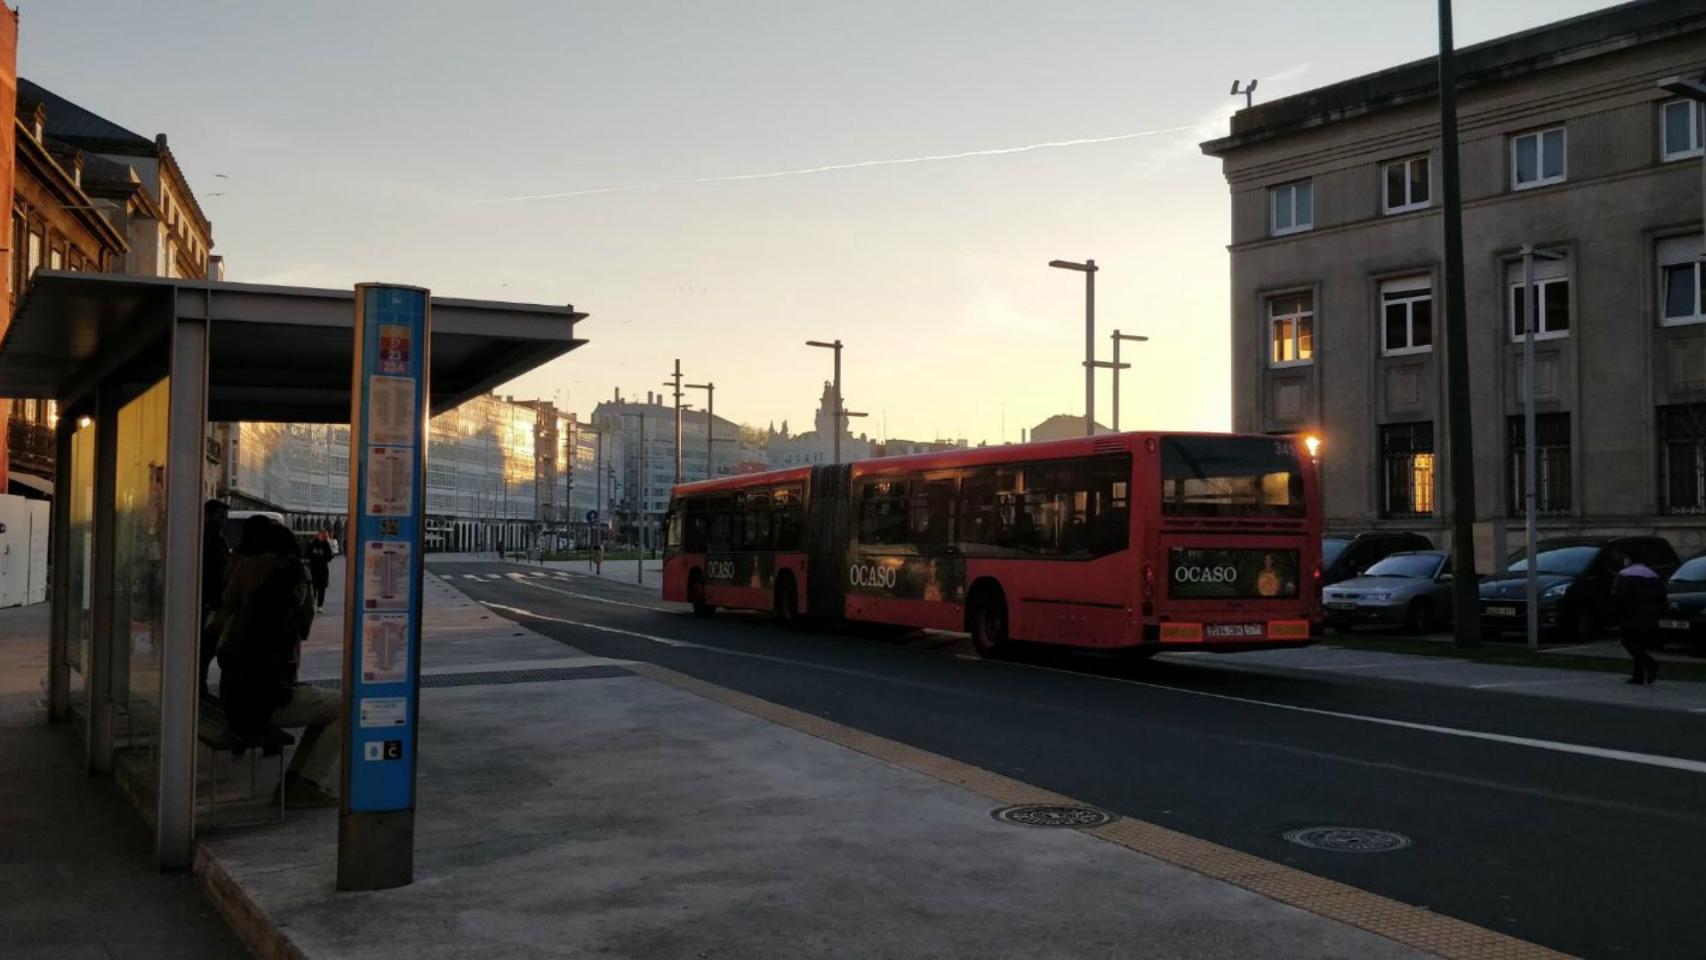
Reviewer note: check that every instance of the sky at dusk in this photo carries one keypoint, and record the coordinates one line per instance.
(618, 156)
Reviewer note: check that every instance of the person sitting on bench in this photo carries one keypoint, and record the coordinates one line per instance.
(267, 610)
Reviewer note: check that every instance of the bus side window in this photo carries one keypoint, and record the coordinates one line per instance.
(693, 537)
(755, 519)
(720, 533)
(930, 518)
(882, 512)
(977, 520)
(786, 524)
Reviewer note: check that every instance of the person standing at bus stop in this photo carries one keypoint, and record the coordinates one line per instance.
(215, 556)
(320, 555)
(1640, 598)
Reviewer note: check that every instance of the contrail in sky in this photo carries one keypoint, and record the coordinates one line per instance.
(894, 161)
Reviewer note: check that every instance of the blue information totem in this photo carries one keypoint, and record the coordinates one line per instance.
(382, 612)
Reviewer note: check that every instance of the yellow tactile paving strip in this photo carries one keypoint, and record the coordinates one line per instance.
(1411, 926)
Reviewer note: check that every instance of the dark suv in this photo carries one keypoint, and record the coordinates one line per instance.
(1575, 576)
(1344, 557)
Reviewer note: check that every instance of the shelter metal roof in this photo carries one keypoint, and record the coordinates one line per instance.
(275, 353)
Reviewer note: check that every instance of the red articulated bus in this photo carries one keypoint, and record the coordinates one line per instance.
(1137, 542)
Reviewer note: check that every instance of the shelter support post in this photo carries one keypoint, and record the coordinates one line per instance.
(98, 683)
(59, 635)
(181, 664)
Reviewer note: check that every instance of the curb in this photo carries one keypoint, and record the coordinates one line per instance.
(264, 938)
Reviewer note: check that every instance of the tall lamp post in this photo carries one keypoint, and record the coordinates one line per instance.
(839, 413)
(675, 381)
(710, 389)
(1118, 336)
(1465, 592)
(1088, 268)
(1530, 312)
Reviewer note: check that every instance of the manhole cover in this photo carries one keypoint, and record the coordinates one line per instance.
(1348, 839)
(1054, 815)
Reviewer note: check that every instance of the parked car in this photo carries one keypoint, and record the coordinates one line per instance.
(1411, 587)
(1684, 619)
(1344, 557)
(1575, 577)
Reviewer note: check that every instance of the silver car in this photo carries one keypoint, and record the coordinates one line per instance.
(1412, 589)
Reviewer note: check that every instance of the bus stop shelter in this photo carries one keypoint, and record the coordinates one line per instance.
(139, 366)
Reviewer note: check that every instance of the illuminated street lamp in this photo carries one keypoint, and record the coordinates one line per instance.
(1312, 443)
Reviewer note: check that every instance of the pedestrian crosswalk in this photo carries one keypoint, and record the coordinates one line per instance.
(519, 575)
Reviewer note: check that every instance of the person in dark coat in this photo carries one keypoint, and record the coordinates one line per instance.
(320, 555)
(1640, 598)
(215, 555)
(268, 608)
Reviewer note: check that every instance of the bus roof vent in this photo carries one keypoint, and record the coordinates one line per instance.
(1105, 444)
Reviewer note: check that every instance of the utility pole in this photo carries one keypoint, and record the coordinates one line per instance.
(1088, 268)
(836, 346)
(710, 389)
(1465, 593)
(675, 382)
(1118, 366)
(1530, 311)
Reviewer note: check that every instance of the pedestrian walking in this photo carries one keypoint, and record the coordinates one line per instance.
(320, 553)
(1639, 595)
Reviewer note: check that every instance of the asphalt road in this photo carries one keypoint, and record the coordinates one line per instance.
(1594, 854)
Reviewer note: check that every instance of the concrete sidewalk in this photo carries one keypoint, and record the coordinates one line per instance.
(578, 806)
(78, 877)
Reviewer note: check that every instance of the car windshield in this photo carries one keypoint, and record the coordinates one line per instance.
(1694, 571)
(1419, 566)
(1565, 560)
(1330, 550)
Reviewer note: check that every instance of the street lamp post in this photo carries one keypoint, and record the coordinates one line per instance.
(1530, 312)
(710, 389)
(1465, 591)
(836, 346)
(1088, 268)
(675, 381)
(1118, 336)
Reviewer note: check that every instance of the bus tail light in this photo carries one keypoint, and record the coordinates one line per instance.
(1149, 582)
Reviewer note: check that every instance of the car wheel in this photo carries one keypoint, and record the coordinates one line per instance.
(1419, 618)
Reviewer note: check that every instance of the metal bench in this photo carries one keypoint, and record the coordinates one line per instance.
(214, 731)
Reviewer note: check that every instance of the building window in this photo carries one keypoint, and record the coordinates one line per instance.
(34, 261)
(56, 259)
(1291, 329)
(1683, 124)
(1407, 315)
(1407, 456)
(1551, 299)
(1537, 158)
(1407, 185)
(1293, 207)
(1682, 458)
(1682, 281)
(1551, 463)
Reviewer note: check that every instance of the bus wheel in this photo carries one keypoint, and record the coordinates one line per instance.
(696, 596)
(989, 622)
(787, 605)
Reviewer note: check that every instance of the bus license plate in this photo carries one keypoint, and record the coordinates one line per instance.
(1341, 604)
(1501, 611)
(1673, 624)
(1225, 630)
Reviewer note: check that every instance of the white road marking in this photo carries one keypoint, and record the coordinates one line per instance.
(598, 599)
(602, 628)
(470, 576)
(1603, 753)
(1525, 683)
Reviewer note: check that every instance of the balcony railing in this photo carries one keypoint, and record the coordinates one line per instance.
(30, 446)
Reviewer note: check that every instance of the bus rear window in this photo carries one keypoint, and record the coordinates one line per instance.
(1230, 477)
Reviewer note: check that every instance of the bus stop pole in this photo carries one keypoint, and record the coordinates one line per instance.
(382, 604)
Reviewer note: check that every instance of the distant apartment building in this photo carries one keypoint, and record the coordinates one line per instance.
(640, 459)
(1061, 426)
(1567, 143)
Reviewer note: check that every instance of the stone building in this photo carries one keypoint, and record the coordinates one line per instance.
(1567, 143)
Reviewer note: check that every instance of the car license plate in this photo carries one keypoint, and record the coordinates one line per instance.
(1341, 604)
(1673, 624)
(1501, 611)
(1224, 630)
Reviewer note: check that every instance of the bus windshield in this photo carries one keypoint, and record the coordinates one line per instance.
(1230, 476)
